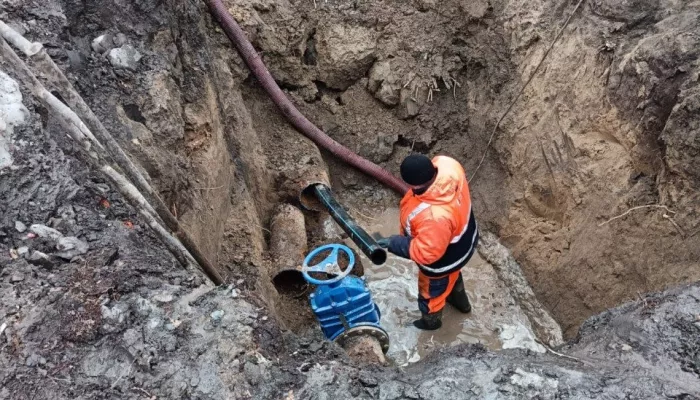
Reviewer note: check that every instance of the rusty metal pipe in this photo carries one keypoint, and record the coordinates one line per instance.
(288, 247)
(365, 350)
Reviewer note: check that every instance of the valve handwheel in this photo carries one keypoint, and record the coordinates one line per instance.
(329, 265)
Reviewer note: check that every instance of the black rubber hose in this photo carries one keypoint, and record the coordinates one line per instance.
(364, 241)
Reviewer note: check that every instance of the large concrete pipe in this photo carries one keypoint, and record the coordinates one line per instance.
(305, 169)
(311, 176)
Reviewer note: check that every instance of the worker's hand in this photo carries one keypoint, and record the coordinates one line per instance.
(400, 245)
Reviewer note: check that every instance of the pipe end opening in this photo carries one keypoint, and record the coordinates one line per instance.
(290, 282)
(378, 257)
(308, 198)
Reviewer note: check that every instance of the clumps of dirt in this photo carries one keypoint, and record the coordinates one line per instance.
(688, 355)
(79, 309)
(293, 307)
(344, 53)
(661, 327)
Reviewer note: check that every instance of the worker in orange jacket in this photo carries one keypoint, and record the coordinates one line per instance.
(438, 232)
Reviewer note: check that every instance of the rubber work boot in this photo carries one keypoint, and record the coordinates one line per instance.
(429, 322)
(458, 297)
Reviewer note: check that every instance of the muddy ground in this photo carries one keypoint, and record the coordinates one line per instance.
(608, 124)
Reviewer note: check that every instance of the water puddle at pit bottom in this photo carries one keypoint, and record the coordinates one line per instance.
(496, 321)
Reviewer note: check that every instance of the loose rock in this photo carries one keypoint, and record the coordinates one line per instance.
(35, 360)
(70, 247)
(126, 57)
(20, 227)
(16, 277)
(119, 39)
(44, 231)
(115, 317)
(345, 53)
(217, 315)
(367, 380)
(40, 259)
(163, 298)
(385, 85)
(102, 43)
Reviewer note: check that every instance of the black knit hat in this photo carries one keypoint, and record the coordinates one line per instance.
(417, 169)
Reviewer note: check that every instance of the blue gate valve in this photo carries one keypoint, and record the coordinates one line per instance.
(342, 303)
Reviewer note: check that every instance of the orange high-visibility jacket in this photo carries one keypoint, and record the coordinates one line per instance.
(440, 221)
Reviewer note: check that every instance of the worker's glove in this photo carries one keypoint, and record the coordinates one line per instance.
(400, 246)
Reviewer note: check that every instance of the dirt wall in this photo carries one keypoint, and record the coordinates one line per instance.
(596, 135)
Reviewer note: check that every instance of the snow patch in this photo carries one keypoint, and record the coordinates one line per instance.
(12, 114)
(519, 336)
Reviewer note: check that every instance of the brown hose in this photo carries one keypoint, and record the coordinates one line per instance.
(301, 123)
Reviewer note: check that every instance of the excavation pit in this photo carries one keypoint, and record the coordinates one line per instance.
(584, 167)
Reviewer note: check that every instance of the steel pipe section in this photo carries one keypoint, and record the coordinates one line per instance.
(288, 247)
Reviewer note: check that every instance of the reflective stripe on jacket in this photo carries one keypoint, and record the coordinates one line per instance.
(440, 222)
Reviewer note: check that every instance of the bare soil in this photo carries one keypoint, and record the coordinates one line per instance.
(591, 180)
